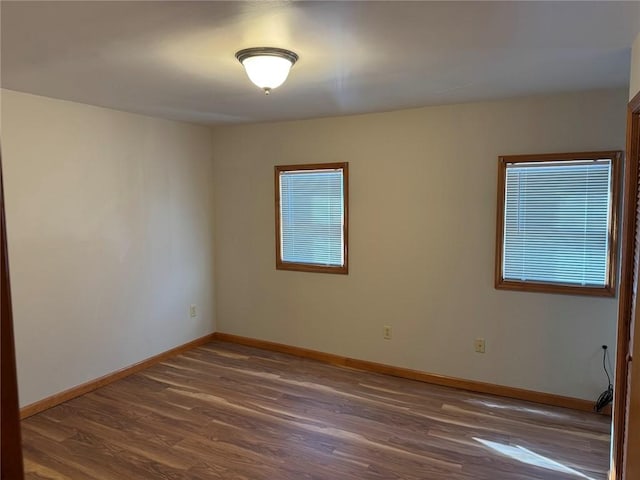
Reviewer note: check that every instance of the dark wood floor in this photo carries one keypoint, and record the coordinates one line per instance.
(225, 411)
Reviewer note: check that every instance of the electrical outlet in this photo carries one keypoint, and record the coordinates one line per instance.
(479, 345)
(386, 332)
(193, 311)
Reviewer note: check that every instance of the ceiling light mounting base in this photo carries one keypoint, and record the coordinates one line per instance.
(243, 54)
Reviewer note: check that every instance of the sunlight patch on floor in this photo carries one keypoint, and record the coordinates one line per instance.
(525, 455)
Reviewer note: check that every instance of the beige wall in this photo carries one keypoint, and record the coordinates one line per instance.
(110, 219)
(422, 232)
(110, 235)
(634, 80)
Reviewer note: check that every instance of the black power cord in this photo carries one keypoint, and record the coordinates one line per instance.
(605, 397)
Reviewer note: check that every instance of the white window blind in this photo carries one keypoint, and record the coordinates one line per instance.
(312, 217)
(556, 222)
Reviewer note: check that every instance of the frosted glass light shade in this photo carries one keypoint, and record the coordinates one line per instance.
(267, 67)
(267, 72)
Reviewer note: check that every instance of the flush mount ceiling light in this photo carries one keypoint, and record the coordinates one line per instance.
(267, 67)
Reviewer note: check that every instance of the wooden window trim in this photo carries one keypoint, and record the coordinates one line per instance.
(307, 267)
(609, 290)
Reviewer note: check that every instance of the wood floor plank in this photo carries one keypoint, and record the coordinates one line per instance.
(225, 411)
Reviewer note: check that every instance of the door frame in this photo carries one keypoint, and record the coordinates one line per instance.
(11, 465)
(627, 392)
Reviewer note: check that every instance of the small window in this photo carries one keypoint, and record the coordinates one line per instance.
(556, 224)
(311, 217)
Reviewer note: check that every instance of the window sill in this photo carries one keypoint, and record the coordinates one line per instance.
(306, 267)
(607, 291)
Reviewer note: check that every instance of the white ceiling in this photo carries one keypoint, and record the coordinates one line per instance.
(176, 59)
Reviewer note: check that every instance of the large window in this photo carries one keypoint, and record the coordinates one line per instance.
(556, 227)
(311, 217)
